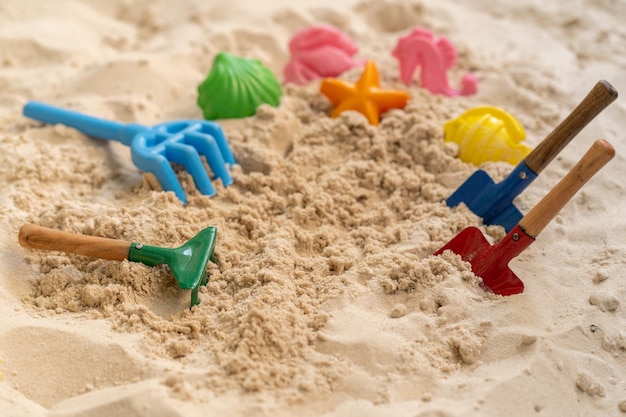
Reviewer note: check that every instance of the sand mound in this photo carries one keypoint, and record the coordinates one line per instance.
(324, 299)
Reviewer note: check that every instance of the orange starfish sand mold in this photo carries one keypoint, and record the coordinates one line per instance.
(365, 96)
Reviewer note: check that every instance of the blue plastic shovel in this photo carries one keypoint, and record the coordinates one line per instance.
(494, 202)
(490, 262)
(153, 148)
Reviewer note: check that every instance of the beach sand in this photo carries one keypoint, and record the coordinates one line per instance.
(325, 299)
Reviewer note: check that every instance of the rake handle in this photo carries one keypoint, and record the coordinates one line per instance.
(539, 216)
(600, 96)
(84, 123)
(39, 237)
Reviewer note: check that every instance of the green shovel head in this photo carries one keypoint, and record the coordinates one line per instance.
(187, 262)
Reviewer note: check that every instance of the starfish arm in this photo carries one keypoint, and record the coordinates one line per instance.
(389, 99)
(369, 79)
(371, 112)
(367, 108)
(336, 90)
(348, 104)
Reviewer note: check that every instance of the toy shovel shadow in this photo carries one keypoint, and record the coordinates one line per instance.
(187, 262)
(490, 262)
(494, 202)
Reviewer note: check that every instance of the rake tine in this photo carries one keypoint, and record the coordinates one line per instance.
(207, 146)
(161, 168)
(189, 157)
(217, 133)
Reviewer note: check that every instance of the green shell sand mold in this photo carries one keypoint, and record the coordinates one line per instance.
(236, 87)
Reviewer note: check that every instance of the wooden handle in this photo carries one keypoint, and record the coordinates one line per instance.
(539, 216)
(38, 237)
(600, 96)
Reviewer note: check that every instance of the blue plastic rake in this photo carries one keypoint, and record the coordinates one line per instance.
(153, 148)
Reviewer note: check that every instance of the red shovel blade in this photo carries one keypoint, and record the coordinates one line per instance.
(491, 262)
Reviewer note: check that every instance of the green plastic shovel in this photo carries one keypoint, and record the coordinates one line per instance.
(187, 262)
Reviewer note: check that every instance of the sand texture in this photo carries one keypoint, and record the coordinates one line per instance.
(324, 298)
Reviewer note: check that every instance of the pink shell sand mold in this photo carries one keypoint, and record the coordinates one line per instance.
(436, 57)
(319, 51)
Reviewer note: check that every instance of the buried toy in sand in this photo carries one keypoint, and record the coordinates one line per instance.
(491, 262)
(487, 133)
(434, 56)
(153, 148)
(188, 262)
(319, 51)
(365, 96)
(236, 87)
(494, 202)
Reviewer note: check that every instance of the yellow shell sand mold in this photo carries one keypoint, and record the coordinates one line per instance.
(487, 133)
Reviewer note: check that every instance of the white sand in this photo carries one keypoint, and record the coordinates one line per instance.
(326, 301)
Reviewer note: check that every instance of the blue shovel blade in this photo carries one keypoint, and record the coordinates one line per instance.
(468, 191)
(494, 202)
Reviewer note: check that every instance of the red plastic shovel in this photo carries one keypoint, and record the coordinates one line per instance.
(490, 262)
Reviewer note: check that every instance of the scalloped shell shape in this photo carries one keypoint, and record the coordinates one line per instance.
(319, 51)
(487, 133)
(236, 87)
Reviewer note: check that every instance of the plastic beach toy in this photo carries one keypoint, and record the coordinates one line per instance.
(187, 262)
(490, 262)
(487, 133)
(365, 96)
(494, 201)
(236, 87)
(435, 57)
(153, 148)
(319, 51)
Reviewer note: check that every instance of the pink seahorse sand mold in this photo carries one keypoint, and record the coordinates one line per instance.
(435, 57)
(319, 51)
